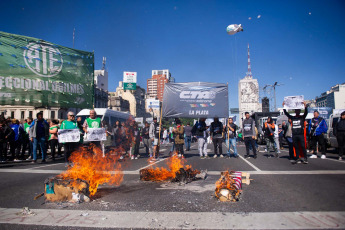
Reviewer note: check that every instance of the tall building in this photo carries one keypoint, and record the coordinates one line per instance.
(101, 87)
(155, 84)
(248, 93)
(132, 101)
(334, 98)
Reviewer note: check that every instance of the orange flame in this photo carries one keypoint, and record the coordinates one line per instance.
(94, 168)
(174, 164)
(226, 181)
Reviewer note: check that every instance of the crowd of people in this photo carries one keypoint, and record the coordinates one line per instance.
(24, 140)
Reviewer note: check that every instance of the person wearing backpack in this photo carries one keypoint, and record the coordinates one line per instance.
(317, 127)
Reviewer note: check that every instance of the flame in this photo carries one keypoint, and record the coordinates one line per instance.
(92, 167)
(174, 164)
(226, 181)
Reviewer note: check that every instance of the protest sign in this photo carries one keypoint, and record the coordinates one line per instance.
(195, 100)
(96, 134)
(68, 135)
(294, 102)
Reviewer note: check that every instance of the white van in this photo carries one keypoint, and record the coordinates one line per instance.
(333, 120)
(107, 115)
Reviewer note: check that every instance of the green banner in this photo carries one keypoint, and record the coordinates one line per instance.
(129, 86)
(42, 74)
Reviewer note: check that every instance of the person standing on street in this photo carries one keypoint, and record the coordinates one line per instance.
(230, 131)
(216, 130)
(39, 133)
(339, 132)
(286, 126)
(26, 140)
(178, 132)
(248, 127)
(16, 142)
(53, 138)
(188, 136)
(199, 130)
(297, 127)
(154, 135)
(269, 130)
(6, 133)
(69, 146)
(146, 139)
(92, 122)
(317, 127)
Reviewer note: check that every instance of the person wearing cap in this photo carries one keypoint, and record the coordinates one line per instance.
(39, 134)
(248, 127)
(69, 147)
(339, 132)
(317, 127)
(154, 135)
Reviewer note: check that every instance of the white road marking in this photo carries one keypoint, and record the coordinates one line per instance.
(176, 220)
(151, 164)
(136, 172)
(253, 166)
(330, 159)
(45, 166)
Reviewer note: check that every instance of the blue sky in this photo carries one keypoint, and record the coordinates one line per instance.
(300, 44)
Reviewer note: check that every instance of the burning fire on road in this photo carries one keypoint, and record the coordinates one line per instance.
(177, 171)
(229, 186)
(88, 170)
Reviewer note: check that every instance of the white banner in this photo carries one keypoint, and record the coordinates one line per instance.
(96, 134)
(68, 135)
(294, 102)
(130, 77)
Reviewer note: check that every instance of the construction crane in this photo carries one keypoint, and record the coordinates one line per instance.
(274, 92)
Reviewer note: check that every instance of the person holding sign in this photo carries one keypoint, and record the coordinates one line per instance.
(298, 128)
(92, 122)
(69, 146)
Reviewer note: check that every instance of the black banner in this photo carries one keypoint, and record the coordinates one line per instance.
(195, 100)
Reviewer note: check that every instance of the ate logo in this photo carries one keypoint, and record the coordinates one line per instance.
(43, 59)
(95, 124)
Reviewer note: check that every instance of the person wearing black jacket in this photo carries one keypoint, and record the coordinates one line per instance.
(297, 127)
(6, 133)
(216, 131)
(199, 130)
(339, 132)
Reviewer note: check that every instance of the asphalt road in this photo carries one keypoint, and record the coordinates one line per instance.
(280, 196)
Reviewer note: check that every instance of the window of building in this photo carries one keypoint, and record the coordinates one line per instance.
(52, 114)
(22, 114)
(12, 114)
(30, 114)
